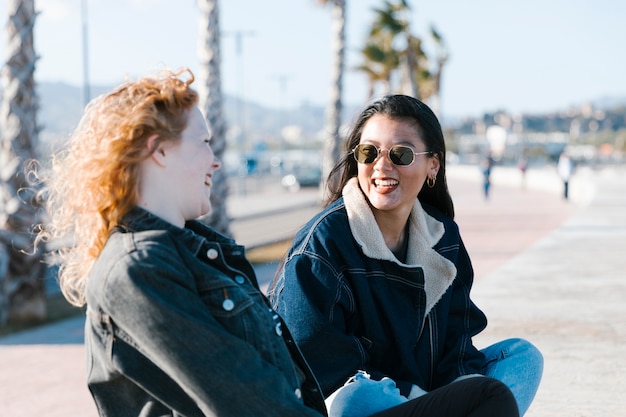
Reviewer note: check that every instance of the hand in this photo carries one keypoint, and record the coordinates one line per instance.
(416, 392)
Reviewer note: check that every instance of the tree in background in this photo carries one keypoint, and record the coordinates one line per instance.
(380, 60)
(332, 144)
(393, 58)
(22, 292)
(211, 102)
(389, 49)
(415, 73)
(412, 52)
(442, 59)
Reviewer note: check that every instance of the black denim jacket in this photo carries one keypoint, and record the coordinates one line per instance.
(177, 326)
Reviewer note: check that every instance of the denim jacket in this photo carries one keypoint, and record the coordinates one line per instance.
(351, 305)
(177, 326)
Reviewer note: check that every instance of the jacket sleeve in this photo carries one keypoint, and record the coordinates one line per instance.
(463, 321)
(311, 300)
(159, 316)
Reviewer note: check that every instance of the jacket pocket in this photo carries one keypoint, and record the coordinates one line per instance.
(226, 300)
(243, 312)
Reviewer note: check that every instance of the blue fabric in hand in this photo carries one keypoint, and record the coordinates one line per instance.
(362, 397)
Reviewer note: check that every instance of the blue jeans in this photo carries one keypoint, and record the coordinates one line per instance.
(515, 362)
(477, 397)
(518, 364)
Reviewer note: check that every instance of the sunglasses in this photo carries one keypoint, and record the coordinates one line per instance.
(398, 154)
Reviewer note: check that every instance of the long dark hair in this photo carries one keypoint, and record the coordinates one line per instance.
(398, 107)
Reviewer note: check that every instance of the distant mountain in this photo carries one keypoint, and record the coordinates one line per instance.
(61, 107)
(607, 103)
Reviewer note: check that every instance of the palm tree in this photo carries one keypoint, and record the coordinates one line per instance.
(392, 54)
(22, 292)
(412, 52)
(442, 59)
(381, 57)
(332, 144)
(380, 62)
(211, 103)
(416, 72)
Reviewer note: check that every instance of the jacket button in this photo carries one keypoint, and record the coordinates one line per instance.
(239, 279)
(211, 254)
(228, 304)
(298, 393)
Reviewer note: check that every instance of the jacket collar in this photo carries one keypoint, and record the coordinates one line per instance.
(424, 233)
(193, 235)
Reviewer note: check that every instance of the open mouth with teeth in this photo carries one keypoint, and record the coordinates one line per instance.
(386, 183)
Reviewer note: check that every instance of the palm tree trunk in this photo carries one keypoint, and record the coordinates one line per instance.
(332, 145)
(211, 103)
(435, 99)
(411, 67)
(22, 271)
(442, 59)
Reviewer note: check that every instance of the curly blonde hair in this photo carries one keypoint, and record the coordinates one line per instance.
(93, 182)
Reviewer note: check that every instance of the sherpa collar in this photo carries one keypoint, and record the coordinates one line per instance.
(424, 233)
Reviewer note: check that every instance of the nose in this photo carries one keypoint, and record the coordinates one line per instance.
(383, 158)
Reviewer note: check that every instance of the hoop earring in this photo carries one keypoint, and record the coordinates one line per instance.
(430, 181)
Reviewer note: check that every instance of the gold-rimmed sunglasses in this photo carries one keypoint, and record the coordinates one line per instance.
(398, 154)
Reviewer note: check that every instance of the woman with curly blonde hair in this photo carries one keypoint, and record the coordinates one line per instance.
(176, 323)
(95, 179)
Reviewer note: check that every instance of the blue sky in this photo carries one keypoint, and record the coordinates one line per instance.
(532, 55)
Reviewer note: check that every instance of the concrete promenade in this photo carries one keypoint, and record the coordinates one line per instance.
(548, 270)
(567, 294)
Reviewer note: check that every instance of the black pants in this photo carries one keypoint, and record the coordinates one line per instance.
(472, 397)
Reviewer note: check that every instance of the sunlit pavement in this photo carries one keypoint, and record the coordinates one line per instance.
(567, 294)
(548, 270)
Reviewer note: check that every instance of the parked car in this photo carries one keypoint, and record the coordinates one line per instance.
(302, 177)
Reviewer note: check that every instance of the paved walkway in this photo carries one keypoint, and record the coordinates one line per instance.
(548, 270)
(568, 295)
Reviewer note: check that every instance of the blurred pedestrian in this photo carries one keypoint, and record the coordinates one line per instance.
(522, 165)
(565, 167)
(486, 166)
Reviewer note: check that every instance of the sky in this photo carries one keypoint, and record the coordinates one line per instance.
(532, 56)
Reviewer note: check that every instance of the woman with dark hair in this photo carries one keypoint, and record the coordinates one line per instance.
(379, 281)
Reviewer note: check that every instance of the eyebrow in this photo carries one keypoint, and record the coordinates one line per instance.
(402, 142)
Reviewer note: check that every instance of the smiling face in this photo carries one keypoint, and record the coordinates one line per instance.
(392, 189)
(191, 166)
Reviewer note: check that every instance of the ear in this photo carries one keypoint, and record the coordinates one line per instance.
(157, 151)
(435, 165)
